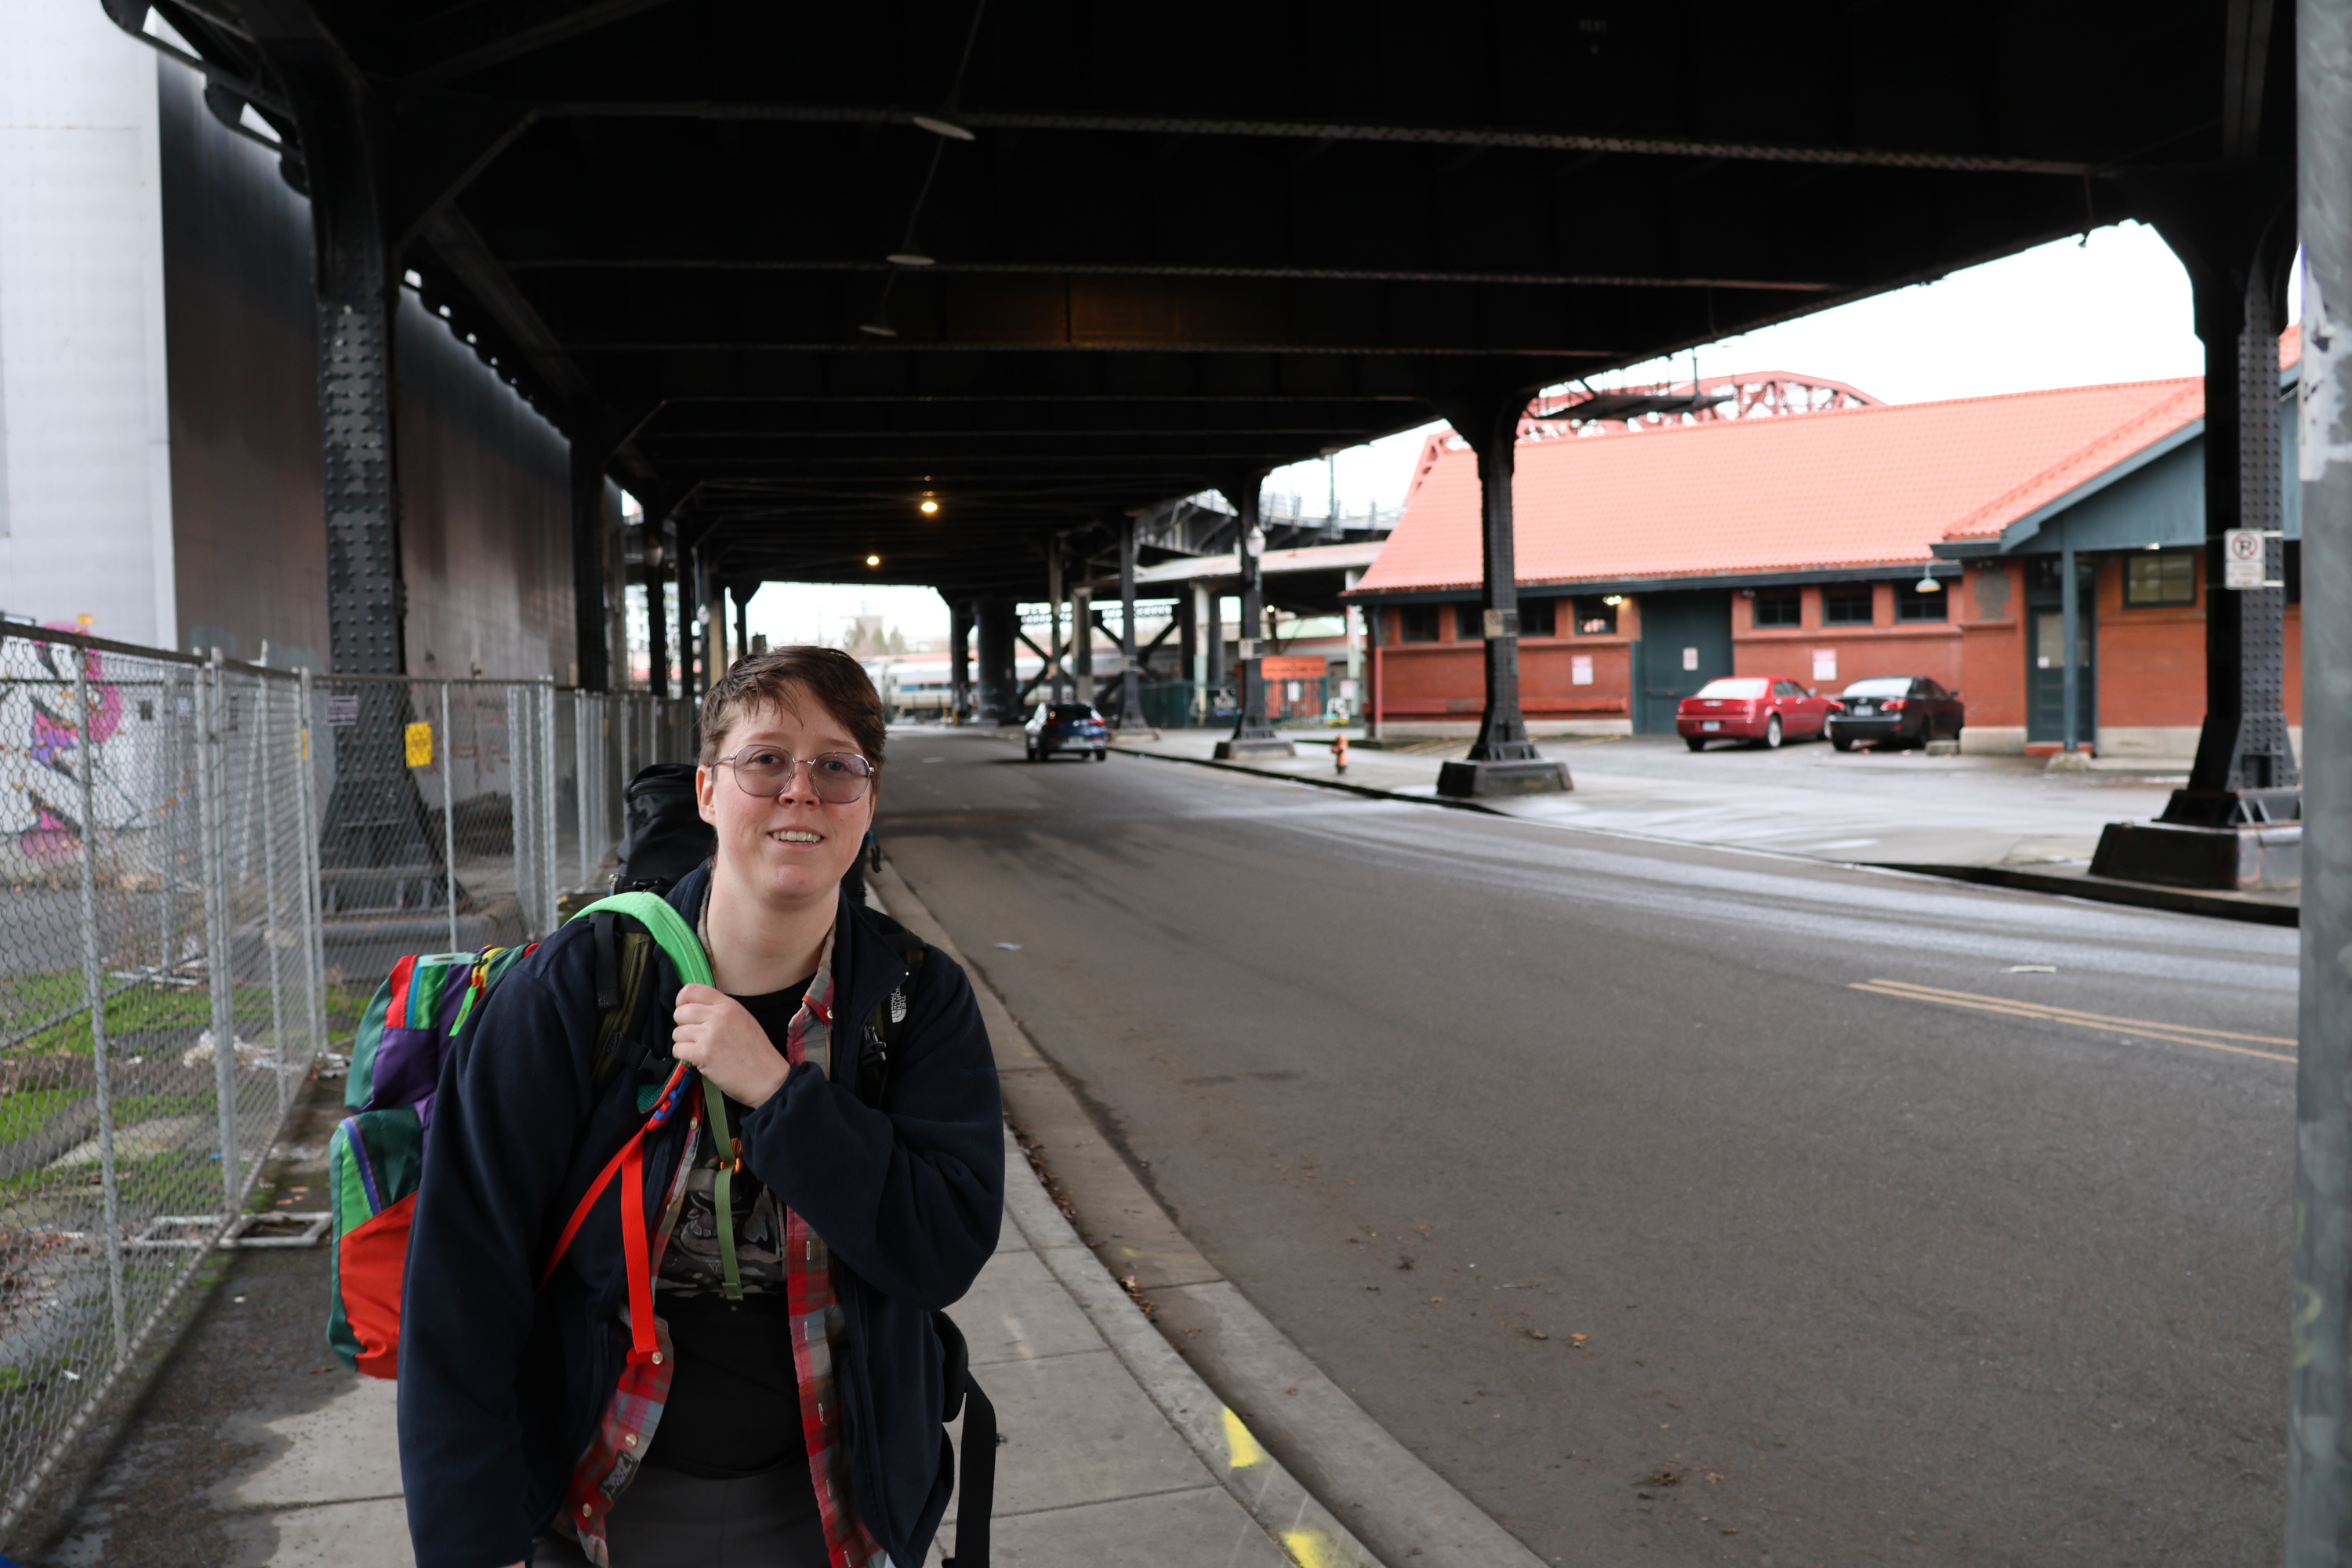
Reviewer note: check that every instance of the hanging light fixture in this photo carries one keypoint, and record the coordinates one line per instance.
(928, 506)
(1926, 585)
(874, 561)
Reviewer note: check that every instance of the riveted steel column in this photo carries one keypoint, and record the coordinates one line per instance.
(998, 683)
(1253, 735)
(1053, 607)
(1503, 759)
(2319, 1386)
(1082, 642)
(960, 658)
(591, 616)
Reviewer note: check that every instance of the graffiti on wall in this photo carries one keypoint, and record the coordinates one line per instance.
(41, 733)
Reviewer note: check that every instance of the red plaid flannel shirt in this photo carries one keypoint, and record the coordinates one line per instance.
(630, 1419)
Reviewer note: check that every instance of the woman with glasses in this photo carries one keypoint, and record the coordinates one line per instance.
(791, 1413)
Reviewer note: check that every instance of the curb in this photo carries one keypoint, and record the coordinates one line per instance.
(1368, 791)
(1417, 1513)
(2105, 891)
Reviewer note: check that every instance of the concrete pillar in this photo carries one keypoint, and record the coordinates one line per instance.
(998, 686)
(959, 659)
(743, 593)
(1082, 641)
(1187, 637)
(1130, 690)
(1212, 649)
(1252, 736)
(2319, 1380)
(1503, 759)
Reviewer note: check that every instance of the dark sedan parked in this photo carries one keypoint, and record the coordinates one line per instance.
(1895, 711)
(1066, 727)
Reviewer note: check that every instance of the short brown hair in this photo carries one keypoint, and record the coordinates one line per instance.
(838, 683)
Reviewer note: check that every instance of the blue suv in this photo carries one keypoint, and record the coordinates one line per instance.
(1066, 727)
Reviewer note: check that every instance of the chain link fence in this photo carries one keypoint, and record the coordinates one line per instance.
(205, 869)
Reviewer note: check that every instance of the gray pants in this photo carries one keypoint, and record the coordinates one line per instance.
(670, 1520)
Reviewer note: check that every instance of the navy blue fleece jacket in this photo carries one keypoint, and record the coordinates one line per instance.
(501, 1382)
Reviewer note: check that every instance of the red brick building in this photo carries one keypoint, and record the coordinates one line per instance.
(1918, 538)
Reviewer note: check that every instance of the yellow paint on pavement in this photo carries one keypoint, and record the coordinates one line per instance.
(1310, 1549)
(2009, 1007)
(1241, 1449)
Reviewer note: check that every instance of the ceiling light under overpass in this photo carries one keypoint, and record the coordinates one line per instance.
(929, 506)
(877, 328)
(874, 561)
(910, 259)
(939, 125)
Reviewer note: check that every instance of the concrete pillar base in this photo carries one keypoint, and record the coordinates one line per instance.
(1477, 781)
(1242, 751)
(2240, 859)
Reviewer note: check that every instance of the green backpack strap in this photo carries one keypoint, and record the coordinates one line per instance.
(675, 938)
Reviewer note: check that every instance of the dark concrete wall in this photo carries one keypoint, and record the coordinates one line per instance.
(241, 343)
(485, 534)
(485, 513)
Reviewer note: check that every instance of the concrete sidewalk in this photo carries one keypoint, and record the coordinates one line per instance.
(253, 1449)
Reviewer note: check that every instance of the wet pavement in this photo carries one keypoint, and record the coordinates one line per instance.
(1805, 798)
(1679, 1204)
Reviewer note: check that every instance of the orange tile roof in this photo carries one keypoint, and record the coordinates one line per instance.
(1860, 488)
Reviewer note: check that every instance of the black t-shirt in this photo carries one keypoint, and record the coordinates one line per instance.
(734, 1406)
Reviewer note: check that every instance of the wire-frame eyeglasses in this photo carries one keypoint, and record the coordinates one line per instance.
(764, 772)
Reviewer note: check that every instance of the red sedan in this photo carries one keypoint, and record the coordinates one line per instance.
(1762, 711)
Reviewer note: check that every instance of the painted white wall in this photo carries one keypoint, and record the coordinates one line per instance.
(85, 453)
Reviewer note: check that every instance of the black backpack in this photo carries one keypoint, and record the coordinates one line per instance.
(666, 837)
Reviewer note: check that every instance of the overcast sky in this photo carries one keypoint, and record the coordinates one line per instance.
(2066, 314)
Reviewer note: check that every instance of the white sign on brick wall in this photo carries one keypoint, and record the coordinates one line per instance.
(1824, 664)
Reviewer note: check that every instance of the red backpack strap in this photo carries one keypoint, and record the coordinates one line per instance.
(629, 1164)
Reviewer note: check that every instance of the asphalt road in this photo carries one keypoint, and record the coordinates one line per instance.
(1875, 1275)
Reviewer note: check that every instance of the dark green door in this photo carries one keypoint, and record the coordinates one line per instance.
(1686, 643)
(2045, 659)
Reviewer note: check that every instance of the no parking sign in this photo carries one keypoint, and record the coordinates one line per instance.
(2245, 560)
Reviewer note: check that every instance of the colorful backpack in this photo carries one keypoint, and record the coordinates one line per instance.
(376, 1157)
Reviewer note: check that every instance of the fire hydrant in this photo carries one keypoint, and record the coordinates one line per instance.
(1339, 753)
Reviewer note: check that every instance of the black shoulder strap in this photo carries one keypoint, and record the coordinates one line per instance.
(624, 993)
(976, 1469)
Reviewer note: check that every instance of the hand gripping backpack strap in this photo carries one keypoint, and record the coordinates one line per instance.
(675, 938)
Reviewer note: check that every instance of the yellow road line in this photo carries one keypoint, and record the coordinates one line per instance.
(1936, 991)
(2172, 1033)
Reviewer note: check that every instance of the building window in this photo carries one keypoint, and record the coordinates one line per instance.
(1780, 608)
(1469, 623)
(1416, 622)
(1538, 617)
(1596, 615)
(1847, 604)
(1911, 605)
(2167, 577)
